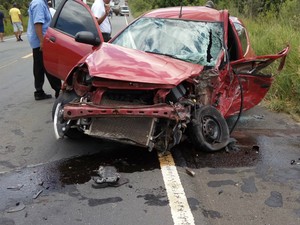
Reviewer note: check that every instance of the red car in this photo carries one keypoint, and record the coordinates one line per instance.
(172, 74)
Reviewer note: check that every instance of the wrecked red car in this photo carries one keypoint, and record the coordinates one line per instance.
(173, 74)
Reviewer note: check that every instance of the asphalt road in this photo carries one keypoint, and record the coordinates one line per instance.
(49, 181)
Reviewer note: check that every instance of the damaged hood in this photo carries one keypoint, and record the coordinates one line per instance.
(119, 63)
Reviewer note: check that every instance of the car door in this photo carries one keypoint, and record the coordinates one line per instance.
(249, 77)
(61, 52)
(252, 79)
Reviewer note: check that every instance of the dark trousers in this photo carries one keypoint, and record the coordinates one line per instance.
(106, 36)
(39, 73)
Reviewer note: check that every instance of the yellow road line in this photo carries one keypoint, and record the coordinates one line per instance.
(180, 210)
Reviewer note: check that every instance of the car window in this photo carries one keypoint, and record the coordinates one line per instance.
(56, 3)
(242, 36)
(192, 41)
(74, 18)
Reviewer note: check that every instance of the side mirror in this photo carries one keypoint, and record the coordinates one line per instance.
(87, 37)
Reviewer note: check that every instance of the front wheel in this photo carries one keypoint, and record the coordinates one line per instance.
(209, 130)
(62, 127)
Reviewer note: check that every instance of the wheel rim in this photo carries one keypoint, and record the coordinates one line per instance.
(211, 130)
(59, 124)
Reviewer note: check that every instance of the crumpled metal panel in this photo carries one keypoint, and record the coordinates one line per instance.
(123, 129)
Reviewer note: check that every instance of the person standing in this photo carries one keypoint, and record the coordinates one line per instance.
(2, 19)
(38, 23)
(16, 21)
(101, 9)
(52, 10)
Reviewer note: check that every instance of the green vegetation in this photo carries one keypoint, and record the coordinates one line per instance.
(5, 6)
(272, 24)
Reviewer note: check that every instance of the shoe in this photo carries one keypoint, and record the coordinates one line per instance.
(41, 96)
(20, 39)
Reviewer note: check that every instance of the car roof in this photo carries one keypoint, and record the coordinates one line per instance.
(200, 13)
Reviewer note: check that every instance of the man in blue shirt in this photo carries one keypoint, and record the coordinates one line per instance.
(39, 21)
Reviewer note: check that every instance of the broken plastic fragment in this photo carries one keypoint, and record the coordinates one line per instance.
(19, 206)
(259, 117)
(37, 194)
(190, 172)
(293, 162)
(16, 188)
(120, 182)
(107, 174)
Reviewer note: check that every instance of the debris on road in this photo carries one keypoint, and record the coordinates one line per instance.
(37, 194)
(108, 176)
(190, 172)
(19, 206)
(16, 188)
(259, 117)
(231, 145)
(293, 162)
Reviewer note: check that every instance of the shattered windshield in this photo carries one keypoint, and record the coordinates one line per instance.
(192, 41)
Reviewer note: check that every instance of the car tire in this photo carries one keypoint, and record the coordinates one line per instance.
(59, 123)
(209, 130)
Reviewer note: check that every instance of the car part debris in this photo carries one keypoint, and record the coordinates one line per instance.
(293, 162)
(37, 194)
(19, 206)
(16, 188)
(120, 182)
(231, 145)
(108, 176)
(190, 172)
(259, 117)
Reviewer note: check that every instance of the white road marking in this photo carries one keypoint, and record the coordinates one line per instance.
(12, 62)
(180, 210)
(27, 56)
(8, 64)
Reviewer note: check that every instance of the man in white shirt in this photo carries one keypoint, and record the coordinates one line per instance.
(51, 9)
(100, 9)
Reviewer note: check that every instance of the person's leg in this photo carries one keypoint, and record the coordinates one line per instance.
(1, 33)
(39, 76)
(20, 27)
(16, 31)
(38, 71)
(55, 83)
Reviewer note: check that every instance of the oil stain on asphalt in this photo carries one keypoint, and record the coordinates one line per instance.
(25, 183)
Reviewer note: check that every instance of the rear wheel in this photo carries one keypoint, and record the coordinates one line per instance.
(209, 130)
(63, 127)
